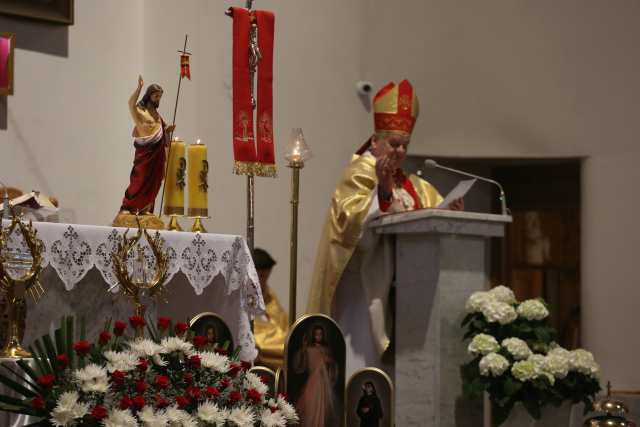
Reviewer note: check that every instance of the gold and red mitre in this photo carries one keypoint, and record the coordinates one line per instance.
(395, 109)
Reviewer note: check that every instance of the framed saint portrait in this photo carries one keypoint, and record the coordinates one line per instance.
(52, 11)
(213, 327)
(268, 377)
(315, 357)
(7, 42)
(370, 399)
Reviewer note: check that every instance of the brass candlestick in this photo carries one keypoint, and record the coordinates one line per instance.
(198, 227)
(297, 154)
(14, 285)
(174, 225)
(135, 288)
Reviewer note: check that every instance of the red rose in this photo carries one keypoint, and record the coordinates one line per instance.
(234, 368)
(125, 402)
(161, 382)
(62, 360)
(195, 362)
(221, 351)
(245, 365)
(47, 381)
(161, 402)
(139, 402)
(164, 323)
(183, 401)
(118, 377)
(143, 365)
(264, 379)
(225, 383)
(38, 403)
(194, 392)
(235, 396)
(119, 327)
(180, 328)
(212, 392)
(105, 337)
(137, 321)
(82, 348)
(200, 341)
(99, 412)
(141, 387)
(254, 395)
(188, 378)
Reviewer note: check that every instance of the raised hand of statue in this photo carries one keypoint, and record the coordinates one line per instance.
(170, 128)
(140, 82)
(384, 172)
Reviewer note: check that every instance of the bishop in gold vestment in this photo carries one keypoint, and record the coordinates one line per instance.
(354, 267)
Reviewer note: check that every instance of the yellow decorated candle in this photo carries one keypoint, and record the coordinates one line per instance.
(198, 180)
(175, 180)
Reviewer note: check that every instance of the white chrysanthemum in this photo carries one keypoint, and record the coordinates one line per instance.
(503, 294)
(495, 311)
(175, 344)
(556, 364)
(532, 309)
(145, 348)
(582, 361)
(92, 379)
(493, 364)
(68, 409)
(159, 361)
(272, 419)
(180, 418)
(524, 370)
(120, 418)
(210, 413)
(149, 418)
(241, 417)
(288, 411)
(477, 301)
(517, 348)
(214, 361)
(123, 361)
(483, 344)
(251, 380)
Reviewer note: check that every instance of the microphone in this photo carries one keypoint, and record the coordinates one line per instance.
(432, 164)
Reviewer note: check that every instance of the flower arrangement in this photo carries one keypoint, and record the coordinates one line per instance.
(516, 358)
(167, 380)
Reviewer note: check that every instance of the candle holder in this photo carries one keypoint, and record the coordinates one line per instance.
(198, 227)
(174, 225)
(297, 153)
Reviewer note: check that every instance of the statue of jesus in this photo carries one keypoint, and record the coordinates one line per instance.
(151, 140)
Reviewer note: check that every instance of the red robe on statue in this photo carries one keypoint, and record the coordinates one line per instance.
(147, 172)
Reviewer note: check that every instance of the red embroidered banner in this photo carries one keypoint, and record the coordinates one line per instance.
(251, 157)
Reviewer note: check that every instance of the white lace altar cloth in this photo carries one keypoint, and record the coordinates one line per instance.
(73, 250)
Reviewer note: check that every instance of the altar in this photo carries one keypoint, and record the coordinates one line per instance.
(207, 272)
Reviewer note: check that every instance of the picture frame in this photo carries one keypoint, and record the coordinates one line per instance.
(211, 325)
(360, 402)
(7, 45)
(59, 12)
(269, 378)
(314, 369)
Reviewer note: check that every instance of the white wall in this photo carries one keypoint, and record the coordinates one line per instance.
(496, 78)
(537, 79)
(68, 127)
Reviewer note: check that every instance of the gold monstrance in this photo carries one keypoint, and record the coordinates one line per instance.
(137, 285)
(19, 277)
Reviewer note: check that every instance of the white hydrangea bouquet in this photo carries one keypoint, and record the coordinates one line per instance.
(516, 359)
(168, 380)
